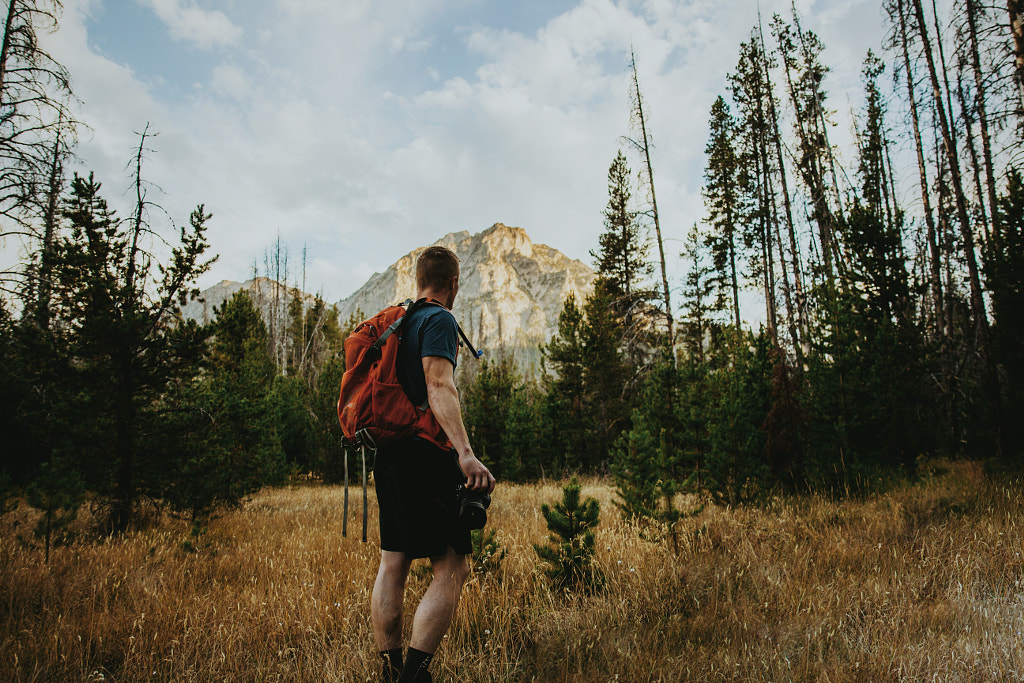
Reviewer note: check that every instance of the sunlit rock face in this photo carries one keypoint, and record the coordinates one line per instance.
(510, 294)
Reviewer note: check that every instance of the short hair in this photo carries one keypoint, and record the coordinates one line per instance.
(435, 268)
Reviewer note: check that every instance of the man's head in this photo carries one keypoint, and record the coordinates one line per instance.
(437, 272)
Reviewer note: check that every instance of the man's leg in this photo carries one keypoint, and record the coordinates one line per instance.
(437, 608)
(387, 600)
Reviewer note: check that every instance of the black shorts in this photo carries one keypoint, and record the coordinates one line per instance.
(416, 493)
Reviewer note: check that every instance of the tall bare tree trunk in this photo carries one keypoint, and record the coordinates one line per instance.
(794, 248)
(810, 165)
(645, 147)
(1016, 10)
(767, 214)
(967, 114)
(982, 107)
(55, 183)
(935, 262)
(967, 234)
(769, 267)
(949, 146)
(137, 220)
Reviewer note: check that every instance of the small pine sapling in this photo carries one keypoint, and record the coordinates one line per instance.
(487, 552)
(649, 473)
(58, 491)
(570, 557)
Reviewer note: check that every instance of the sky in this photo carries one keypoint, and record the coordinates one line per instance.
(358, 130)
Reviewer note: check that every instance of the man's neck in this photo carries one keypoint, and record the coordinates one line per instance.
(431, 294)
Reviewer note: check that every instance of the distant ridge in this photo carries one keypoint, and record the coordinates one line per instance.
(510, 295)
(265, 294)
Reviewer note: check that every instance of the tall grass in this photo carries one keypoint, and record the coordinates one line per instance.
(922, 583)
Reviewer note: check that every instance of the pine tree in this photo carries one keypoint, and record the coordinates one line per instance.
(764, 181)
(58, 492)
(570, 555)
(736, 395)
(607, 376)
(636, 470)
(585, 394)
(979, 314)
(701, 308)
(327, 458)
(873, 232)
(128, 349)
(649, 475)
(487, 402)
(565, 356)
(290, 405)
(1004, 277)
(722, 200)
(785, 424)
(526, 439)
(939, 322)
(622, 266)
(622, 259)
(228, 444)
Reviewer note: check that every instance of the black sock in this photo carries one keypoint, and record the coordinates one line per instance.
(416, 664)
(392, 664)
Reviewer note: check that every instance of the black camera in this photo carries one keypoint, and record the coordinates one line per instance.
(472, 507)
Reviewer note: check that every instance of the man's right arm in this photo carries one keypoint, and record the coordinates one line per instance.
(443, 397)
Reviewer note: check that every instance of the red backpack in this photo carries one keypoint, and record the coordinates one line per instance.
(373, 407)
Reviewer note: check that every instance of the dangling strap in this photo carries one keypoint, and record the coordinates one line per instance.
(364, 490)
(469, 345)
(344, 524)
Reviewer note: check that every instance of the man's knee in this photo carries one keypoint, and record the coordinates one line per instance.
(451, 566)
(394, 567)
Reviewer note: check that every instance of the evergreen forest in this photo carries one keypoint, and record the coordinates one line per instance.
(885, 333)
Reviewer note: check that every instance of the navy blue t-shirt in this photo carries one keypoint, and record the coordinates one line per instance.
(430, 330)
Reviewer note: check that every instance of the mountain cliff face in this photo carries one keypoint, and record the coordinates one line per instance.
(270, 297)
(510, 292)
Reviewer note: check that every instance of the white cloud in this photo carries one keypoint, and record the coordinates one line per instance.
(190, 23)
(339, 124)
(232, 80)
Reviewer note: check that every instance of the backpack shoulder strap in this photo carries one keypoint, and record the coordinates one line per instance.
(393, 327)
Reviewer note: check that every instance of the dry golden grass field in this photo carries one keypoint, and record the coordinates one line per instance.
(925, 583)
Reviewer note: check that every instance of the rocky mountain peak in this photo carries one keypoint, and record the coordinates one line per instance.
(511, 290)
(502, 239)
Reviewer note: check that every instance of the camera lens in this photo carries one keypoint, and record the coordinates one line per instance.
(473, 514)
(473, 508)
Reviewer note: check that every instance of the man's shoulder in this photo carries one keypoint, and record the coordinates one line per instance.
(434, 313)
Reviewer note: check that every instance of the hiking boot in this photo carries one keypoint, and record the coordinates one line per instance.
(421, 675)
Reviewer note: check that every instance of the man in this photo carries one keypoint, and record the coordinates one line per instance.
(417, 477)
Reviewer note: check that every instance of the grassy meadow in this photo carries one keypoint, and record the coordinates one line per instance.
(922, 583)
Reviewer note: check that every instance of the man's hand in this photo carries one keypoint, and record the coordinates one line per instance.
(478, 477)
(444, 403)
